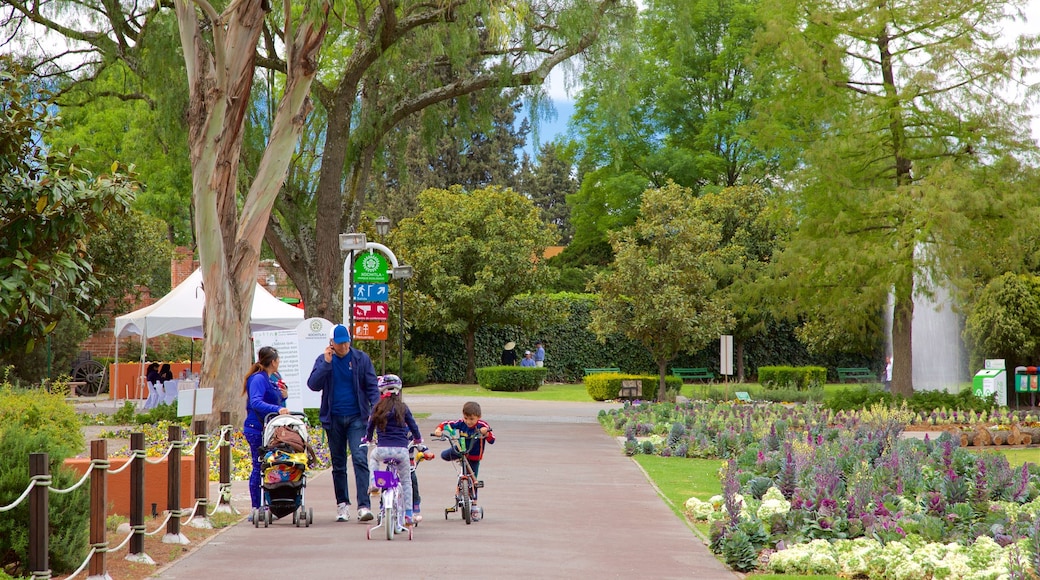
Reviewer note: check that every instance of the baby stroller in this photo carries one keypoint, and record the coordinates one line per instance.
(284, 468)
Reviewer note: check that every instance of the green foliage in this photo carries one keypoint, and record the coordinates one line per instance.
(49, 208)
(36, 411)
(796, 378)
(162, 412)
(39, 422)
(923, 402)
(62, 345)
(473, 252)
(792, 395)
(510, 378)
(671, 259)
(738, 552)
(606, 386)
(125, 414)
(1004, 321)
(416, 368)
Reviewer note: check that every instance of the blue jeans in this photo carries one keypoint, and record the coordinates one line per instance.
(255, 441)
(344, 431)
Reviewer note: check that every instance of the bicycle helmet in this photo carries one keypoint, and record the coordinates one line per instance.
(389, 384)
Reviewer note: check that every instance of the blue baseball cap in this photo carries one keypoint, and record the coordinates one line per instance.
(340, 334)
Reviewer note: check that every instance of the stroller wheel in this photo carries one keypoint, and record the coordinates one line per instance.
(255, 517)
(296, 518)
(267, 517)
(310, 517)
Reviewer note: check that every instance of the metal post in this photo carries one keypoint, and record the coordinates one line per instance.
(400, 331)
(98, 511)
(39, 565)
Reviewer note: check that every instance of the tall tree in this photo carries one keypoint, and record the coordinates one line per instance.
(548, 180)
(402, 60)
(682, 114)
(472, 252)
(900, 105)
(49, 211)
(661, 289)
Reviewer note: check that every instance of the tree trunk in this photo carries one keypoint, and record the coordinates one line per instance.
(662, 370)
(982, 437)
(740, 360)
(902, 349)
(471, 357)
(220, 79)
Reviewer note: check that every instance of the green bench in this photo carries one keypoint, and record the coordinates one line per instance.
(856, 374)
(614, 370)
(693, 373)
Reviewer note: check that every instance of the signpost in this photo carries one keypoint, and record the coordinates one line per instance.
(371, 311)
(370, 330)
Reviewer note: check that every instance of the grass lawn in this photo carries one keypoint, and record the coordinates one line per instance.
(553, 392)
(1016, 457)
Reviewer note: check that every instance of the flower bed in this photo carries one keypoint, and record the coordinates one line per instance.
(801, 474)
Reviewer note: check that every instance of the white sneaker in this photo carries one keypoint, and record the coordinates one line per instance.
(364, 514)
(342, 512)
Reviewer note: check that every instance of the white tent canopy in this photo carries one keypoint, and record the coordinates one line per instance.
(180, 313)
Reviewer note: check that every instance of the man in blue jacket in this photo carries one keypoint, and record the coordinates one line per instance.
(347, 382)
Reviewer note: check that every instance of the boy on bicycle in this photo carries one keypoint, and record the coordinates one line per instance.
(473, 433)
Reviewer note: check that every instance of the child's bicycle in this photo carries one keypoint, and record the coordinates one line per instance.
(390, 516)
(467, 485)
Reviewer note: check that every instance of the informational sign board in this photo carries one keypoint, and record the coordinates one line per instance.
(371, 292)
(371, 267)
(191, 402)
(297, 351)
(370, 330)
(371, 311)
(726, 355)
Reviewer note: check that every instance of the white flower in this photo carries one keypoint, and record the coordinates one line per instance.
(771, 507)
(698, 509)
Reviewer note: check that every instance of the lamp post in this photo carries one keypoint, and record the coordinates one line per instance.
(383, 228)
(402, 273)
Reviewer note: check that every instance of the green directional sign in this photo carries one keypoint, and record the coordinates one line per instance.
(371, 268)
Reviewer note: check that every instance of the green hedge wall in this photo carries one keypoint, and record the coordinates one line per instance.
(507, 378)
(604, 386)
(570, 348)
(798, 378)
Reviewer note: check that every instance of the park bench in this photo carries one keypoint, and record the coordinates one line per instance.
(693, 373)
(614, 370)
(856, 374)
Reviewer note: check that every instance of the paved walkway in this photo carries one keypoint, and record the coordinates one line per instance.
(560, 501)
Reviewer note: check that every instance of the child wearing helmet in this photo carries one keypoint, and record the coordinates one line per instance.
(473, 430)
(393, 423)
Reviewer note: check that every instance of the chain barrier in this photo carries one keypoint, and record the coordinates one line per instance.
(169, 514)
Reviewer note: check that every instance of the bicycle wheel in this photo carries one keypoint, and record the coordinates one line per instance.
(389, 512)
(466, 501)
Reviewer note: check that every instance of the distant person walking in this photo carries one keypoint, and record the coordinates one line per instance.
(539, 354)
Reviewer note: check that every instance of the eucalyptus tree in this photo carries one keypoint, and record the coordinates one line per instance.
(902, 107)
(670, 99)
(384, 62)
(390, 62)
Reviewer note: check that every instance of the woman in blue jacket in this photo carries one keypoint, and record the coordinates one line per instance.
(263, 398)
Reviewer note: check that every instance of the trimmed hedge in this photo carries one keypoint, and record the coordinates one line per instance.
(797, 378)
(510, 378)
(605, 386)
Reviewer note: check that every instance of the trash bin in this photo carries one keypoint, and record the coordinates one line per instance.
(1026, 381)
(988, 382)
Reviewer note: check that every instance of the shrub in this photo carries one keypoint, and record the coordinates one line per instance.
(798, 378)
(510, 378)
(69, 513)
(791, 395)
(604, 386)
(38, 411)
